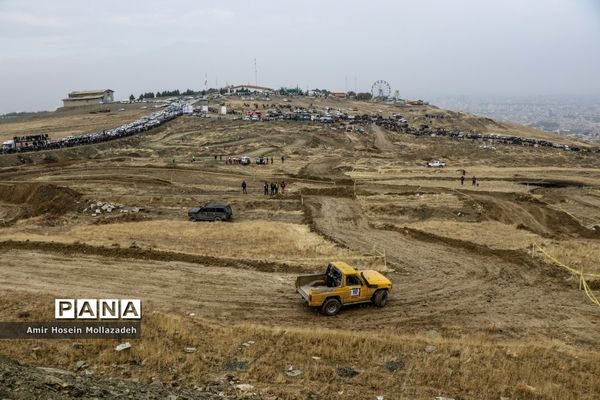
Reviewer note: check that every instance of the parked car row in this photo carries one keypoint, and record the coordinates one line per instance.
(425, 130)
(398, 123)
(325, 116)
(140, 125)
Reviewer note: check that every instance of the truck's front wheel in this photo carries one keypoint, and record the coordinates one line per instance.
(331, 307)
(380, 298)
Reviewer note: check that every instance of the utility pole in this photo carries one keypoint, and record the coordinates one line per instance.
(255, 73)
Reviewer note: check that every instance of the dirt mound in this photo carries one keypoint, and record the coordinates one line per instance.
(272, 203)
(327, 169)
(135, 252)
(116, 219)
(336, 191)
(39, 198)
(424, 212)
(519, 257)
(530, 214)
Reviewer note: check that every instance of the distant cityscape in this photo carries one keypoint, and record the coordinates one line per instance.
(578, 117)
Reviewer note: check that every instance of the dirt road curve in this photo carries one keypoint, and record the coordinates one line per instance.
(438, 285)
(434, 286)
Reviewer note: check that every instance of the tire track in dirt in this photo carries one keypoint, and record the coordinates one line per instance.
(210, 290)
(440, 285)
(381, 140)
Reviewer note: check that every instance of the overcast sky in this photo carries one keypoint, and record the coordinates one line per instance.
(422, 48)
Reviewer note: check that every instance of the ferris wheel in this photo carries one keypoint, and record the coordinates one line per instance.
(381, 90)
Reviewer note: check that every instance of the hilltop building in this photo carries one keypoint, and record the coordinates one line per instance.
(89, 97)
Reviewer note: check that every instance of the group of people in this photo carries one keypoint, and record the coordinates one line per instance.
(473, 181)
(274, 187)
(269, 189)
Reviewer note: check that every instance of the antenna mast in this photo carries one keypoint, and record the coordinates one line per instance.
(255, 73)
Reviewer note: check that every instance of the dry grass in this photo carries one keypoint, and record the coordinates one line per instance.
(583, 255)
(467, 367)
(258, 240)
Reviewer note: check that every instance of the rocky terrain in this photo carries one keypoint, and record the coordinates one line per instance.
(24, 382)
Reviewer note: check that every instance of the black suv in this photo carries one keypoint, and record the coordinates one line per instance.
(211, 212)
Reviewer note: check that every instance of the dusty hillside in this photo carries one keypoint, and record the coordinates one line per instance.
(67, 122)
(476, 311)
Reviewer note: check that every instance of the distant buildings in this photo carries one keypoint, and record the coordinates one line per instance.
(89, 97)
(339, 94)
(249, 89)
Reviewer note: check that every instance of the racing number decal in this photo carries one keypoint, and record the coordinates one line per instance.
(355, 292)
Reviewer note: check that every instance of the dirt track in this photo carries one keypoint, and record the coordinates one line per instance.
(437, 285)
(360, 194)
(448, 286)
(381, 140)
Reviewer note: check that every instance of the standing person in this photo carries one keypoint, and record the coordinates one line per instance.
(244, 187)
(462, 180)
(283, 184)
(266, 187)
(282, 159)
(272, 188)
(474, 181)
(276, 187)
(193, 158)
(271, 159)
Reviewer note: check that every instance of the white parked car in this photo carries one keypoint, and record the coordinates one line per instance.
(436, 164)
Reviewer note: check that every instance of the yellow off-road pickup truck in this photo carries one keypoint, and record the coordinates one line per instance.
(341, 285)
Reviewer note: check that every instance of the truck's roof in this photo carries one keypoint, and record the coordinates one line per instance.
(343, 267)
